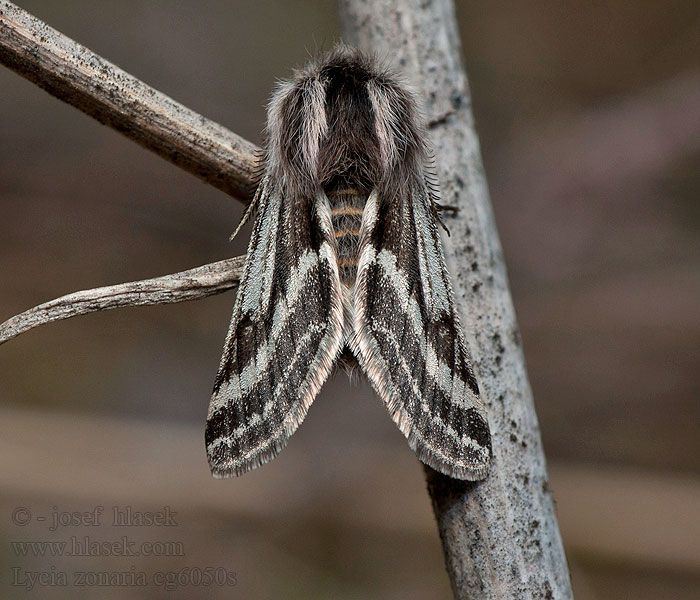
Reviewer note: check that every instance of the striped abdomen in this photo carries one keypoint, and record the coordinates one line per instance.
(347, 204)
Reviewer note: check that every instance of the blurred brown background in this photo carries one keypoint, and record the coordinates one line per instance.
(589, 118)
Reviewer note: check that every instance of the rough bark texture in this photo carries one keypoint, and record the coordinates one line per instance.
(192, 284)
(500, 536)
(95, 86)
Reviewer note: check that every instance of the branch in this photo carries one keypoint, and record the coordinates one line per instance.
(102, 90)
(500, 536)
(193, 284)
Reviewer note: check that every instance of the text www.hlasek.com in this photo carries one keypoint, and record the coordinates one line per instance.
(87, 546)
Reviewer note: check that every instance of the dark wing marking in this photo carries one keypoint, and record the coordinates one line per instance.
(285, 334)
(408, 339)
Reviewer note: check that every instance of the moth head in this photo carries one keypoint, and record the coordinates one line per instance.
(344, 112)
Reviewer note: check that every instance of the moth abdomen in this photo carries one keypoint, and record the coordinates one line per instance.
(347, 205)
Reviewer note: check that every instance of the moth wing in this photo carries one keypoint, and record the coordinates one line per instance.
(408, 339)
(285, 333)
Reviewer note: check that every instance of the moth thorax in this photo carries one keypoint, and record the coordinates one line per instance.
(347, 200)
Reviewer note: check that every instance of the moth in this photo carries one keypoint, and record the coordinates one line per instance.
(345, 265)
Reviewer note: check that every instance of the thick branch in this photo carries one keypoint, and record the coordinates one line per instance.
(193, 284)
(102, 90)
(500, 536)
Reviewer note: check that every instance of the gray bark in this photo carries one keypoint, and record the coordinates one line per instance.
(102, 90)
(500, 536)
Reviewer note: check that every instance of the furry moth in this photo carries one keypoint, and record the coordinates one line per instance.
(345, 263)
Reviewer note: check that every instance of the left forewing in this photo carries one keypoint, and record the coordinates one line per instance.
(286, 331)
(408, 339)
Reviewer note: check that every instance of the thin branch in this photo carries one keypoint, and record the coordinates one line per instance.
(500, 536)
(193, 284)
(102, 90)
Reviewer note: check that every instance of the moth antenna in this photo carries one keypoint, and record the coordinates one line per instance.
(249, 211)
